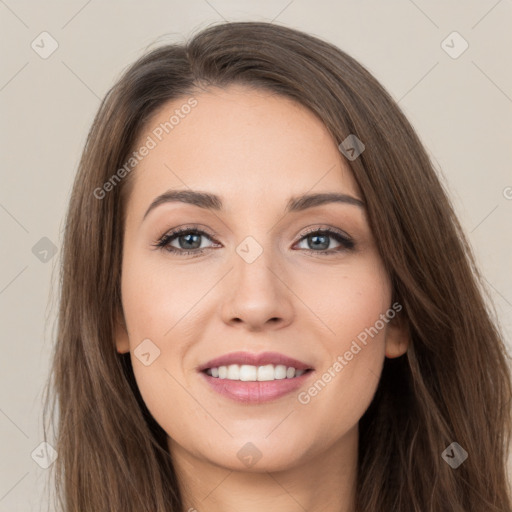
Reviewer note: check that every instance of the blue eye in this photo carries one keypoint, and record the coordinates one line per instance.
(319, 238)
(190, 243)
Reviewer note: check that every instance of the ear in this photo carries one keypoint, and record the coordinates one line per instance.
(121, 335)
(397, 337)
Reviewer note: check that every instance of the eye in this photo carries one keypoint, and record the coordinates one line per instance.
(319, 240)
(187, 239)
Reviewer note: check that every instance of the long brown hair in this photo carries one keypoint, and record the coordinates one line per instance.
(452, 385)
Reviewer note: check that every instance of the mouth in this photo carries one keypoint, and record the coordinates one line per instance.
(255, 378)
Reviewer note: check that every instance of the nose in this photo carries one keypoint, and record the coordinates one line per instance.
(257, 296)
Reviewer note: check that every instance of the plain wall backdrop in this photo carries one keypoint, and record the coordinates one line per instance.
(60, 58)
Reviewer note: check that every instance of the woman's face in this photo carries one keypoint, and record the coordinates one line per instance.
(259, 279)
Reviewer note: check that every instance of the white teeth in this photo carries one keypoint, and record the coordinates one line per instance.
(280, 371)
(250, 373)
(233, 372)
(247, 372)
(266, 372)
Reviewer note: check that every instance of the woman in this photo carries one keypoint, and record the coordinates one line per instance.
(267, 301)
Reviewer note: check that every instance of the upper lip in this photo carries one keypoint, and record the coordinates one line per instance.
(261, 359)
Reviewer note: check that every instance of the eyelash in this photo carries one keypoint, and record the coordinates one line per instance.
(163, 242)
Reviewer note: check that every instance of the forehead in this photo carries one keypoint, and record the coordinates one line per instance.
(249, 146)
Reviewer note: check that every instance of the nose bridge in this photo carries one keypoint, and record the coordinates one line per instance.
(256, 294)
(256, 259)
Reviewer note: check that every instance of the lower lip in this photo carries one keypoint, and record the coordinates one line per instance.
(256, 392)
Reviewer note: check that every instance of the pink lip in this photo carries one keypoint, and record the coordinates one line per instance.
(255, 392)
(255, 360)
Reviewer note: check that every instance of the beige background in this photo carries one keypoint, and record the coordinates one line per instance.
(462, 109)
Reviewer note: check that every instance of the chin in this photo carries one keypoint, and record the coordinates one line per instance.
(258, 455)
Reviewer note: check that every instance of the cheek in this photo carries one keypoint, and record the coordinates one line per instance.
(158, 298)
(162, 325)
(347, 300)
(166, 397)
(351, 306)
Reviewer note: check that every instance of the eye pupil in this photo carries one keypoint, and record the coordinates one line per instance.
(189, 241)
(322, 245)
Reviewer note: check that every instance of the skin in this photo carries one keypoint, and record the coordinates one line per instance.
(255, 150)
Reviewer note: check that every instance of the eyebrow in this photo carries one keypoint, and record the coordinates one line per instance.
(213, 202)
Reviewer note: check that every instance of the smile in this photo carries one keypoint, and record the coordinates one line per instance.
(251, 373)
(255, 378)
